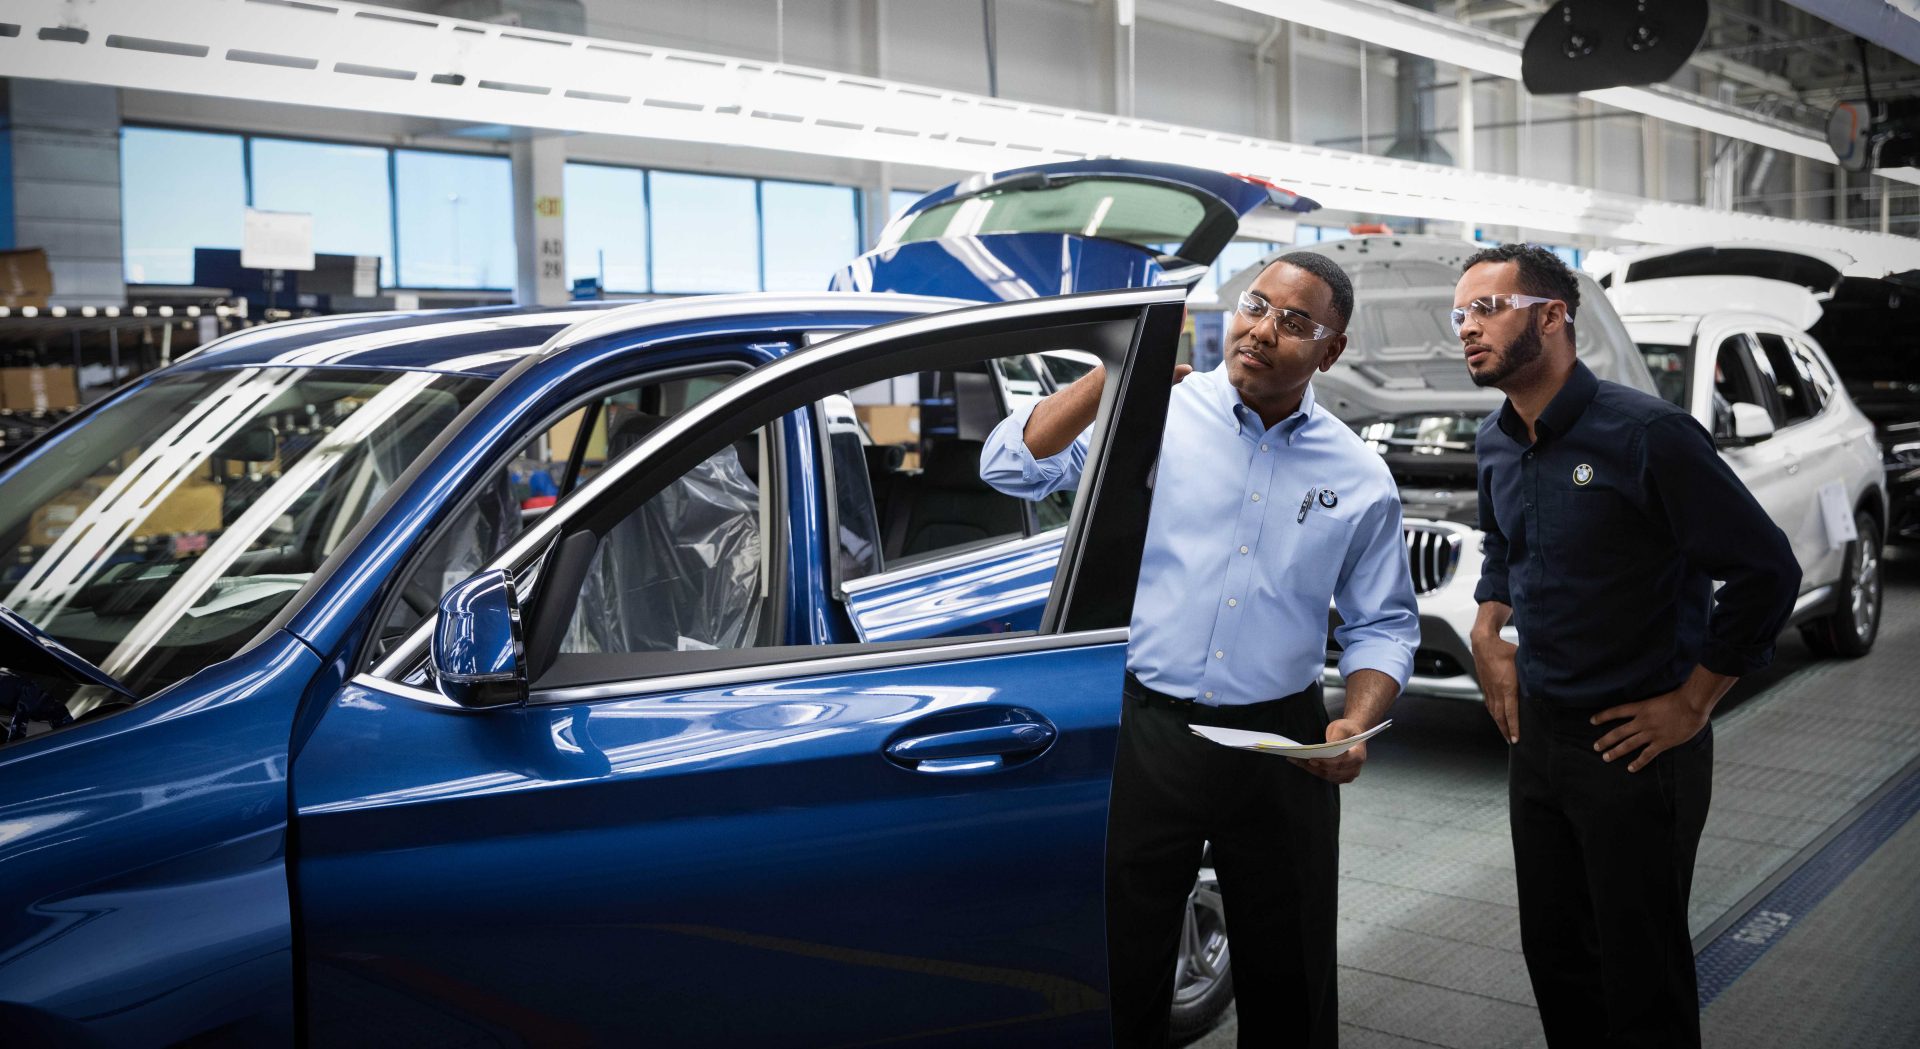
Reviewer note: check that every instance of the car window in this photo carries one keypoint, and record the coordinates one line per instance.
(1734, 382)
(1794, 396)
(1669, 366)
(179, 521)
(554, 462)
(1814, 375)
(688, 570)
(924, 435)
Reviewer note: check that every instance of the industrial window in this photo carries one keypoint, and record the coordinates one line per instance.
(606, 226)
(807, 231)
(455, 217)
(179, 190)
(706, 233)
(345, 188)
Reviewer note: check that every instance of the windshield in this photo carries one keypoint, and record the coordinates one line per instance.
(160, 536)
(1139, 213)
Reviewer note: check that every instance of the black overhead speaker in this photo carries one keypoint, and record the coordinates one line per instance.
(1883, 133)
(1585, 45)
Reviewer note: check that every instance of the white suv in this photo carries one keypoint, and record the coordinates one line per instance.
(1748, 370)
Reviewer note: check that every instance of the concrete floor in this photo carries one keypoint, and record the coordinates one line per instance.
(1429, 938)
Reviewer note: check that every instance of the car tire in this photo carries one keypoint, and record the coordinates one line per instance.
(1850, 629)
(1203, 981)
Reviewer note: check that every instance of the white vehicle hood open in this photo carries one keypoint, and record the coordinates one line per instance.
(1694, 296)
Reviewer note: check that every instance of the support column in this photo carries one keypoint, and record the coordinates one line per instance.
(1273, 81)
(539, 220)
(65, 183)
(1800, 188)
(877, 199)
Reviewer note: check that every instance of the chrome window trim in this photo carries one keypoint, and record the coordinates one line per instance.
(755, 383)
(637, 688)
(960, 560)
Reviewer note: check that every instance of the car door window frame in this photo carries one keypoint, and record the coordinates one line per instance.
(1138, 327)
(1763, 359)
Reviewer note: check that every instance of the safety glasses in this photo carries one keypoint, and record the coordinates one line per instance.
(1482, 308)
(1289, 323)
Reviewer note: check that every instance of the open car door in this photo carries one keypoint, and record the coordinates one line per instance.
(726, 839)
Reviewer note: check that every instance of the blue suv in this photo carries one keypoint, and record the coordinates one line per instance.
(649, 673)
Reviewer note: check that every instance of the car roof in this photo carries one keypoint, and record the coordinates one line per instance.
(488, 341)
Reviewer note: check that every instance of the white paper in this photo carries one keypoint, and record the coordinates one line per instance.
(1837, 514)
(277, 240)
(1268, 743)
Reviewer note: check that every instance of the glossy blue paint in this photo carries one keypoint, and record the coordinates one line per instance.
(994, 591)
(1001, 267)
(143, 885)
(583, 873)
(479, 650)
(921, 842)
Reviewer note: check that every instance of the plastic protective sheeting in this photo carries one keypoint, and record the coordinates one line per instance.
(681, 573)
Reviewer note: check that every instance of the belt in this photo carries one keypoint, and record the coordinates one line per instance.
(1208, 713)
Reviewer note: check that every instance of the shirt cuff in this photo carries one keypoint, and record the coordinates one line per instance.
(1391, 658)
(1492, 588)
(1735, 660)
(1008, 465)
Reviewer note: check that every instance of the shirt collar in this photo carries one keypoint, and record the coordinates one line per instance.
(1561, 413)
(1247, 422)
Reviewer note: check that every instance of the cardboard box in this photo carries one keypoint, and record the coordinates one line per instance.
(38, 389)
(192, 507)
(891, 423)
(25, 278)
(54, 517)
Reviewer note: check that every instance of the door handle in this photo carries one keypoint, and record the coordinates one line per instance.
(992, 741)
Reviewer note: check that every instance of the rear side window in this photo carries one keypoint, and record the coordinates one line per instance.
(1814, 373)
(1734, 382)
(1796, 396)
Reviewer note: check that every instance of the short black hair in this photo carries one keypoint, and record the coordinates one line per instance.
(1330, 274)
(1542, 272)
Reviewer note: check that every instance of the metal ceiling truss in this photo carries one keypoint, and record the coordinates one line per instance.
(348, 56)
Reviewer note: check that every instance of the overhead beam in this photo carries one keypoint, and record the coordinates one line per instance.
(1389, 24)
(349, 56)
(1893, 24)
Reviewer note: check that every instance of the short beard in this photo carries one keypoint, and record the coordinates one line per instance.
(1522, 351)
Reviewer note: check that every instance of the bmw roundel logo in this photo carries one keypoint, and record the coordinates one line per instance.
(1328, 499)
(1582, 474)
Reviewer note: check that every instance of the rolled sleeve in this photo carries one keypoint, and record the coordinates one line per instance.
(1008, 465)
(1380, 621)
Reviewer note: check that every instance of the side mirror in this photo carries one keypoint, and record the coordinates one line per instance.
(479, 651)
(1751, 423)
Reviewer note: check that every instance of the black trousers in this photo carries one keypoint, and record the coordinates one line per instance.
(1604, 862)
(1275, 833)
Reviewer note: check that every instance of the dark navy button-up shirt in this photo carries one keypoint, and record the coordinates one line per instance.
(1605, 535)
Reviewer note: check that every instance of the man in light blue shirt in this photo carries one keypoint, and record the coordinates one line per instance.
(1266, 509)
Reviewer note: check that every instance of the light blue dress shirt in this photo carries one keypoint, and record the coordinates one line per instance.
(1253, 532)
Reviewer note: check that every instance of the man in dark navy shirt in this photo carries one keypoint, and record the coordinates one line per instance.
(1608, 516)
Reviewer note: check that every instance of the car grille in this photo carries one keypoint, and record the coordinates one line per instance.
(1432, 556)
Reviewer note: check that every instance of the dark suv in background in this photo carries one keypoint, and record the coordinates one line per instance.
(1871, 332)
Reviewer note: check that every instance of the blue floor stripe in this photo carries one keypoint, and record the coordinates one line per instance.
(1735, 951)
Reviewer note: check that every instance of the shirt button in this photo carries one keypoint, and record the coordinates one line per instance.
(1256, 497)
(1243, 549)
(1231, 603)
(1219, 653)
(1209, 695)
(1262, 448)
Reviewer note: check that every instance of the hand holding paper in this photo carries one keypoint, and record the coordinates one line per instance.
(1269, 743)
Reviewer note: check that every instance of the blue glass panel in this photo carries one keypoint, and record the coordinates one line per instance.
(706, 235)
(809, 231)
(456, 220)
(179, 190)
(606, 217)
(344, 188)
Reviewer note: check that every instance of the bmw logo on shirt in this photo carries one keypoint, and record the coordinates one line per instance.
(1582, 474)
(1328, 499)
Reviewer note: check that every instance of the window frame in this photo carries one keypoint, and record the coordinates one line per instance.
(1137, 334)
